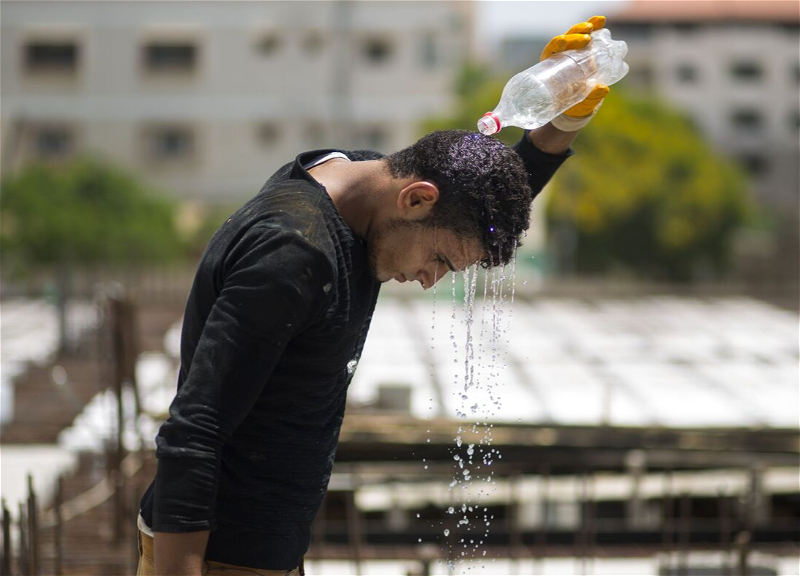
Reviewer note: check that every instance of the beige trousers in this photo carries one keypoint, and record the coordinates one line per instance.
(210, 568)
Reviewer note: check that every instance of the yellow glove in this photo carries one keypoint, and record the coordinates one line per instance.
(579, 115)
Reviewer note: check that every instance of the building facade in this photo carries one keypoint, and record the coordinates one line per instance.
(206, 99)
(734, 67)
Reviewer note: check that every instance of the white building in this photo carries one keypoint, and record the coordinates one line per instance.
(734, 67)
(207, 99)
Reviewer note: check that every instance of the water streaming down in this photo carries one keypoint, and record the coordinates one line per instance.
(471, 279)
(432, 399)
(483, 361)
(513, 279)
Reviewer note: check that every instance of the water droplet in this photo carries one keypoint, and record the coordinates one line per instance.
(446, 532)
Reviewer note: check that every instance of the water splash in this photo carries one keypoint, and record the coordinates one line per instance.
(486, 320)
(470, 283)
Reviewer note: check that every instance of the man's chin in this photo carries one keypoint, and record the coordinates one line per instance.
(381, 277)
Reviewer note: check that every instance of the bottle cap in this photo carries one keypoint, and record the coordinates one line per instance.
(489, 124)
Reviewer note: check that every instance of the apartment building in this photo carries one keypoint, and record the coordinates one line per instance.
(734, 67)
(206, 99)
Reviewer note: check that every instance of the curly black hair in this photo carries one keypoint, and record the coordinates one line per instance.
(483, 188)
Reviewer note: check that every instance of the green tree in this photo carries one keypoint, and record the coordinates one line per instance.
(86, 212)
(211, 219)
(645, 191)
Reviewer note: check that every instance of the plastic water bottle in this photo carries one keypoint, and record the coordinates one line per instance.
(537, 95)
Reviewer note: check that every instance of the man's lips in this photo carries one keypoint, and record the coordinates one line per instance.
(401, 278)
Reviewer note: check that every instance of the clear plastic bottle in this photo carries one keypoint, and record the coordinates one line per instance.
(537, 95)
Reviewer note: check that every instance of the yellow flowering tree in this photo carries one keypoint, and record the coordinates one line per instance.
(648, 193)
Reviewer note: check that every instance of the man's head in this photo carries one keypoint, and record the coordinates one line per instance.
(475, 203)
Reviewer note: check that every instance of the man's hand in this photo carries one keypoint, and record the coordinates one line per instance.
(578, 37)
(179, 554)
(557, 136)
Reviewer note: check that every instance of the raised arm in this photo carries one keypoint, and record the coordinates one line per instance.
(544, 149)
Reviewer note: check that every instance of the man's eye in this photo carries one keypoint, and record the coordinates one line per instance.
(439, 259)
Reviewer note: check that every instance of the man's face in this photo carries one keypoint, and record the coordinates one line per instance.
(409, 251)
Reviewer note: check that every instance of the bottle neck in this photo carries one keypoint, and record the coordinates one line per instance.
(489, 124)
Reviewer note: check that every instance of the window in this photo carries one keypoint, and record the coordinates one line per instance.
(44, 56)
(641, 76)
(515, 52)
(747, 119)
(429, 53)
(166, 56)
(377, 50)
(794, 120)
(315, 134)
(634, 32)
(372, 138)
(268, 134)
(53, 143)
(686, 27)
(312, 42)
(269, 43)
(755, 164)
(686, 73)
(170, 143)
(745, 71)
(455, 22)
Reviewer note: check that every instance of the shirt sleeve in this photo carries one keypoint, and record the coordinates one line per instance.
(540, 165)
(273, 288)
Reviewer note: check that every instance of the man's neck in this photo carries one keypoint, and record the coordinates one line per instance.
(358, 190)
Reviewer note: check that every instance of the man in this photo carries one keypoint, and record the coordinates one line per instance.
(277, 318)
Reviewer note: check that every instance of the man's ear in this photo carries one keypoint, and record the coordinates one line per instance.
(417, 199)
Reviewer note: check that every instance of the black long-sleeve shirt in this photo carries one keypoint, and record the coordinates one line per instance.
(274, 325)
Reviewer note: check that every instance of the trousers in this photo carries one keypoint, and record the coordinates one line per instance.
(210, 568)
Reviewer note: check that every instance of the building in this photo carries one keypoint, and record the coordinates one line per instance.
(207, 99)
(734, 67)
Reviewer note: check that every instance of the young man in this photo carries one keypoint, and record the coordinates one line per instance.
(277, 318)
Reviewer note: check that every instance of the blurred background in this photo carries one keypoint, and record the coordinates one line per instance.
(631, 405)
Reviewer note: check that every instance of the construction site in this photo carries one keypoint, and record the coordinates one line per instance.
(582, 469)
